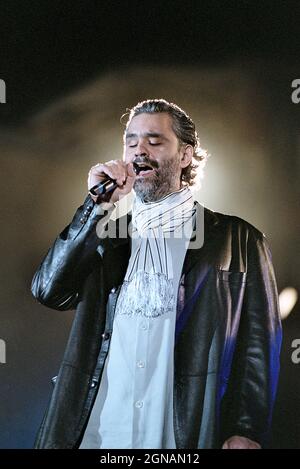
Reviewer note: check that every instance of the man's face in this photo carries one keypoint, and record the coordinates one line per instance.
(151, 140)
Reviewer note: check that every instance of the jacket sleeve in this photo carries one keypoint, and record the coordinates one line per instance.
(57, 281)
(253, 381)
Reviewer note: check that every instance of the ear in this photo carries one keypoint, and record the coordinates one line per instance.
(186, 155)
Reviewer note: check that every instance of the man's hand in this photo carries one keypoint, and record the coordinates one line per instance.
(240, 442)
(118, 170)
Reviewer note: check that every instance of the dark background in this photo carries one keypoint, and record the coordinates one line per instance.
(71, 68)
(48, 48)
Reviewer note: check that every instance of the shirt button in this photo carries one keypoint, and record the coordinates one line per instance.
(83, 220)
(94, 383)
(144, 326)
(139, 404)
(141, 364)
(105, 335)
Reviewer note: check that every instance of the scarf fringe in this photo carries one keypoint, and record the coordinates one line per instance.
(146, 294)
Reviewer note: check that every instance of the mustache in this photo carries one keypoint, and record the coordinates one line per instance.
(146, 161)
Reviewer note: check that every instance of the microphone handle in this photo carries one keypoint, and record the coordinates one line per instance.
(103, 187)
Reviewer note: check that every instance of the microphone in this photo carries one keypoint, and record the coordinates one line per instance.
(110, 184)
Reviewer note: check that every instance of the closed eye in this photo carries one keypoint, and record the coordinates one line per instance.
(133, 145)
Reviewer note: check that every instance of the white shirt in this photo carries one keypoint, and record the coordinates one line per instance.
(134, 404)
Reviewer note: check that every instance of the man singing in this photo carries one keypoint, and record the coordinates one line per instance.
(174, 344)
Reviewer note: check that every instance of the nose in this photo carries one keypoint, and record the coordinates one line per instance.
(141, 149)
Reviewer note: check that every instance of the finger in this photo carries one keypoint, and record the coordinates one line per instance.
(114, 172)
(121, 177)
(254, 445)
(119, 170)
(130, 178)
(96, 178)
(97, 170)
(130, 171)
(131, 174)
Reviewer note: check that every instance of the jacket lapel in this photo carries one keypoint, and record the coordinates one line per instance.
(197, 265)
(204, 223)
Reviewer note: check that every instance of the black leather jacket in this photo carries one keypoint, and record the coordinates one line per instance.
(228, 332)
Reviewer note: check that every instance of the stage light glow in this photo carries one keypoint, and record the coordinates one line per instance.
(287, 300)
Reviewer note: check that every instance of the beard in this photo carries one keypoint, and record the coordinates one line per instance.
(162, 181)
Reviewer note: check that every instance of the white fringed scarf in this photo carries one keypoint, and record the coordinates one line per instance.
(148, 288)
